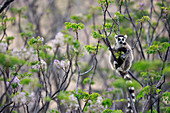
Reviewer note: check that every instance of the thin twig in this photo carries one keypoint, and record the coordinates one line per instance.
(5, 106)
(130, 73)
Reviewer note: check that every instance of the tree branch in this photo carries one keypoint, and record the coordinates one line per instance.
(137, 35)
(6, 4)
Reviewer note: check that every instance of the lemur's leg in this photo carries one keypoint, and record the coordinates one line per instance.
(126, 65)
(123, 57)
(115, 65)
(120, 69)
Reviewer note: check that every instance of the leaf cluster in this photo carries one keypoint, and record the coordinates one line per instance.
(97, 35)
(158, 47)
(103, 2)
(112, 111)
(74, 26)
(87, 81)
(9, 61)
(145, 90)
(92, 49)
(143, 19)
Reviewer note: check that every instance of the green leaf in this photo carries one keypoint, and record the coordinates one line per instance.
(167, 110)
(92, 49)
(74, 26)
(9, 61)
(10, 38)
(14, 85)
(159, 4)
(53, 111)
(81, 26)
(94, 96)
(63, 95)
(108, 111)
(166, 97)
(96, 34)
(27, 34)
(25, 81)
(158, 90)
(86, 81)
(112, 111)
(144, 91)
(33, 41)
(107, 102)
(26, 75)
(158, 47)
(76, 44)
(103, 2)
(47, 99)
(13, 111)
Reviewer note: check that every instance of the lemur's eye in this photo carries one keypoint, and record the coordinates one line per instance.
(118, 39)
(123, 39)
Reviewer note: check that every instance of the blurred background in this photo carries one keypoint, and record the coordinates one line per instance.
(46, 18)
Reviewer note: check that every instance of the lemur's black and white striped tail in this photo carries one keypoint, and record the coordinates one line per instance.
(131, 89)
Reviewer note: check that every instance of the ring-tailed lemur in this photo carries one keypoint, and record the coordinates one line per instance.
(124, 56)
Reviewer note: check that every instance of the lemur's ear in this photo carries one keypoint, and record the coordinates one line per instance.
(125, 36)
(116, 36)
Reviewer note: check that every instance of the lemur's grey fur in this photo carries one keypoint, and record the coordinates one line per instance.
(123, 63)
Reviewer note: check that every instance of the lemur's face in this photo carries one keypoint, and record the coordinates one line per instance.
(121, 39)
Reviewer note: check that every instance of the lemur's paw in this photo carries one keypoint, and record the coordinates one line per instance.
(123, 56)
(115, 64)
(119, 69)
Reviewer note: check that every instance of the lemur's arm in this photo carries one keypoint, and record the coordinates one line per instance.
(123, 57)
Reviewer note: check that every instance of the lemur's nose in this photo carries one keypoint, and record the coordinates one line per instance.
(121, 42)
